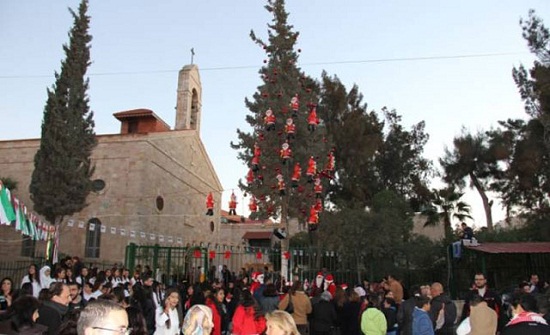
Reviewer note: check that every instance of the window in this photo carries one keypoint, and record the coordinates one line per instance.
(93, 238)
(160, 203)
(28, 246)
(98, 185)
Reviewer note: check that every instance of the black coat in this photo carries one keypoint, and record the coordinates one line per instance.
(405, 316)
(52, 316)
(323, 317)
(450, 312)
(523, 328)
(351, 324)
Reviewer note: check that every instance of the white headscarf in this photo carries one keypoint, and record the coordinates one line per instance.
(45, 280)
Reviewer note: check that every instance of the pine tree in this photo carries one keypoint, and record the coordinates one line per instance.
(261, 149)
(61, 179)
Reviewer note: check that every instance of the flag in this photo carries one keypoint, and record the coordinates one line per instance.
(20, 224)
(7, 214)
(55, 246)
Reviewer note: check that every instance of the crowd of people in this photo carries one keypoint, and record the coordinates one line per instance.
(73, 299)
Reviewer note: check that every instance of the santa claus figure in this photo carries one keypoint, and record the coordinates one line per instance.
(252, 204)
(281, 184)
(257, 281)
(317, 285)
(255, 164)
(233, 204)
(250, 177)
(269, 120)
(294, 105)
(329, 285)
(210, 204)
(285, 152)
(311, 169)
(312, 119)
(318, 188)
(296, 174)
(319, 205)
(329, 169)
(290, 129)
(313, 219)
(257, 150)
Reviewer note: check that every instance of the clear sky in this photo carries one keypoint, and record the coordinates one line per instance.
(446, 62)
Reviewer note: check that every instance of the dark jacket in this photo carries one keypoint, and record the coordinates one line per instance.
(405, 316)
(527, 323)
(491, 298)
(351, 324)
(6, 327)
(391, 317)
(450, 313)
(52, 316)
(323, 317)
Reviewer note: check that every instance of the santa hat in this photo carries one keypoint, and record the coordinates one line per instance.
(254, 275)
(344, 286)
(320, 274)
(329, 278)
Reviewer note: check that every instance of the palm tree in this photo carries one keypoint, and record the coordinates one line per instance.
(471, 158)
(446, 206)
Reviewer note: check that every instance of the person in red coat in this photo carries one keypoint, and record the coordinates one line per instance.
(329, 285)
(248, 319)
(214, 301)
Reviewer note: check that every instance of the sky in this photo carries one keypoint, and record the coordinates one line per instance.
(448, 63)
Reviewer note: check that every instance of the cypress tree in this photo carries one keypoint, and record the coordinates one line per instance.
(270, 176)
(61, 179)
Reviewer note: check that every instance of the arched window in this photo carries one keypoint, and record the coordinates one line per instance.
(93, 238)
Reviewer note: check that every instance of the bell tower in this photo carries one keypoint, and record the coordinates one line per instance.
(189, 99)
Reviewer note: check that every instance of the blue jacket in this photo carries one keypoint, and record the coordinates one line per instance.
(422, 325)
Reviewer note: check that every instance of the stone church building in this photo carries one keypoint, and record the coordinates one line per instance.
(150, 185)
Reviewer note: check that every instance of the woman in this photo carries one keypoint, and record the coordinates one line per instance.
(351, 315)
(60, 275)
(6, 294)
(280, 323)
(166, 318)
(373, 321)
(248, 318)
(136, 321)
(323, 317)
(33, 278)
(22, 318)
(270, 301)
(45, 277)
(198, 321)
(215, 302)
(301, 303)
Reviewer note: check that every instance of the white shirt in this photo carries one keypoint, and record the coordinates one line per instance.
(161, 318)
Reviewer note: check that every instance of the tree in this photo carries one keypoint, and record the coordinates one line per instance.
(446, 206)
(472, 158)
(270, 177)
(9, 183)
(62, 165)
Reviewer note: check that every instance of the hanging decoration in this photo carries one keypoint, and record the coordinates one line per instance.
(212, 254)
(227, 254)
(197, 253)
(210, 204)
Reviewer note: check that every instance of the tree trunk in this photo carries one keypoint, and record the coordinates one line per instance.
(486, 204)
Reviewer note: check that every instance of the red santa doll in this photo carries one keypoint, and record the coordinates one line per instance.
(285, 152)
(317, 285)
(250, 177)
(312, 119)
(294, 105)
(313, 219)
(311, 169)
(257, 150)
(210, 204)
(329, 285)
(233, 204)
(252, 204)
(255, 164)
(290, 129)
(281, 184)
(269, 120)
(329, 169)
(319, 205)
(318, 188)
(296, 174)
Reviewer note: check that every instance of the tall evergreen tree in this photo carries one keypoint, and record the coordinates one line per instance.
(270, 176)
(61, 179)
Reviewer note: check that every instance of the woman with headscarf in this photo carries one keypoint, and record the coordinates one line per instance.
(198, 321)
(45, 277)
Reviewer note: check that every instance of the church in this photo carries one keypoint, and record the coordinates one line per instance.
(149, 186)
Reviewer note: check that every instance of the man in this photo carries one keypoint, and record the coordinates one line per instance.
(406, 310)
(483, 320)
(534, 283)
(489, 296)
(53, 311)
(525, 320)
(396, 288)
(102, 317)
(422, 325)
(467, 232)
(77, 302)
(440, 301)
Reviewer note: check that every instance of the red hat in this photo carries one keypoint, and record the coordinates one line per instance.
(329, 278)
(344, 286)
(320, 274)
